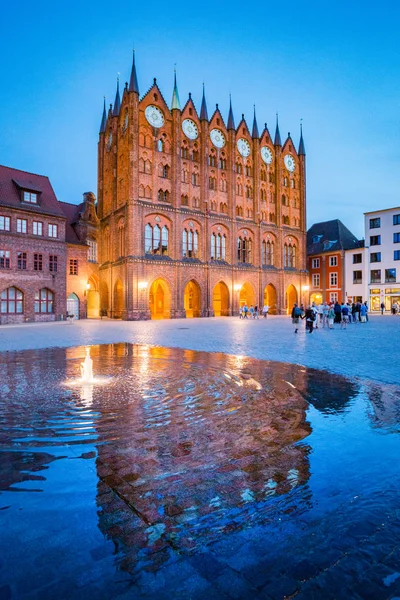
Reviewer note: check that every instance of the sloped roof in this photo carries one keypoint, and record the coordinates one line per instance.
(335, 232)
(71, 211)
(13, 181)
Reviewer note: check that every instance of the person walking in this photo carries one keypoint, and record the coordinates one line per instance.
(366, 310)
(345, 317)
(296, 316)
(325, 311)
(251, 311)
(245, 311)
(265, 311)
(363, 313)
(382, 307)
(310, 317)
(331, 316)
(256, 311)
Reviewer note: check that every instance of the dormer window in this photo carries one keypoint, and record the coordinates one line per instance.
(31, 197)
(327, 244)
(316, 239)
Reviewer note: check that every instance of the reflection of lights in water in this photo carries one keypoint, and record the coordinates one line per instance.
(87, 395)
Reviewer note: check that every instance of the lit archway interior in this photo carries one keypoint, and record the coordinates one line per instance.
(221, 300)
(192, 299)
(118, 299)
(104, 297)
(73, 305)
(316, 297)
(160, 300)
(291, 298)
(270, 298)
(247, 295)
(93, 298)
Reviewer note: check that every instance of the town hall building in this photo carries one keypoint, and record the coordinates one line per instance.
(197, 216)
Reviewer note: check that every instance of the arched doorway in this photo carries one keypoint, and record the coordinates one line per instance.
(160, 300)
(316, 297)
(104, 306)
(118, 300)
(270, 299)
(73, 305)
(93, 298)
(291, 298)
(192, 299)
(221, 300)
(247, 295)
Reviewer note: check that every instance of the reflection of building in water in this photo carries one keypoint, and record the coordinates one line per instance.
(385, 407)
(193, 450)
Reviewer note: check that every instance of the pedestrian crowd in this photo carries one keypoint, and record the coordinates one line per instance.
(326, 314)
(253, 312)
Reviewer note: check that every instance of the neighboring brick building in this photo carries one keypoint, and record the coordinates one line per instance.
(39, 237)
(83, 293)
(326, 246)
(32, 249)
(197, 217)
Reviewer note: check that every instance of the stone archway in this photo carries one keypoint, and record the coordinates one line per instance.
(93, 298)
(192, 299)
(270, 299)
(160, 300)
(221, 300)
(247, 295)
(118, 300)
(73, 305)
(291, 297)
(104, 304)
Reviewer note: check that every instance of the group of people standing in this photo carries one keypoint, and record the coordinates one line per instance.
(326, 314)
(253, 312)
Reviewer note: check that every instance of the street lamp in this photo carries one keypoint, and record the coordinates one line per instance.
(142, 285)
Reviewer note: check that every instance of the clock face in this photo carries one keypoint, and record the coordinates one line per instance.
(217, 138)
(266, 155)
(189, 128)
(154, 116)
(243, 147)
(289, 163)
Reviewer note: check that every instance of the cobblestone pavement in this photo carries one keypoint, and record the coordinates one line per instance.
(365, 350)
(159, 489)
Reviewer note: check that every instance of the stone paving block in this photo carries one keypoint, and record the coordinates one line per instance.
(234, 586)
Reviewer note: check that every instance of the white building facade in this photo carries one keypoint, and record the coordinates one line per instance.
(356, 275)
(382, 241)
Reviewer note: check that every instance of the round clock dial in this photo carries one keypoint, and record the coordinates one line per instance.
(189, 128)
(289, 163)
(154, 116)
(266, 155)
(217, 138)
(243, 147)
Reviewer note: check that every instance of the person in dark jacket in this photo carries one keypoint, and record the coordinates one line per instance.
(310, 316)
(338, 312)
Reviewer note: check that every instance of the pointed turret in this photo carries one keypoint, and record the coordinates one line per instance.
(231, 121)
(203, 111)
(117, 103)
(302, 150)
(175, 104)
(277, 140)
(104, 118)
(133, 82)
(254, 133)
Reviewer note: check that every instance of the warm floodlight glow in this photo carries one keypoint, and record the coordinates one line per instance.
(143, 285)
(88, 286)
(237, 287)
(306, 288)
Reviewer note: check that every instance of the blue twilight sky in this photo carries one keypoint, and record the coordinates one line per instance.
(336, 65)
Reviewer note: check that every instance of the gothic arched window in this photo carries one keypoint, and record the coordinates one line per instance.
(44, 301)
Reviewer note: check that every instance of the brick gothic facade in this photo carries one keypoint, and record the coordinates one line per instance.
(189, 225)
(39, 239)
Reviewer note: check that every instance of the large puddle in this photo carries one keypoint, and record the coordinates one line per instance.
(179, 454)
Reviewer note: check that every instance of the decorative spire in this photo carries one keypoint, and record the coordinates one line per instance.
(175, 104)
(133, 82)
(231, 122)
(203, 111)
(117, 103)
(302, 150)
(104, 118)
(277, 141)
(255, 133)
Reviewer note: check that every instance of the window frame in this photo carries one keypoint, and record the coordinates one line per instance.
(5, 260)
(375, 223)
(22, 260)
(47, 300)
(24, 223)
(51, 228)
(17, 300)
(6, 220)
(35, 225)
